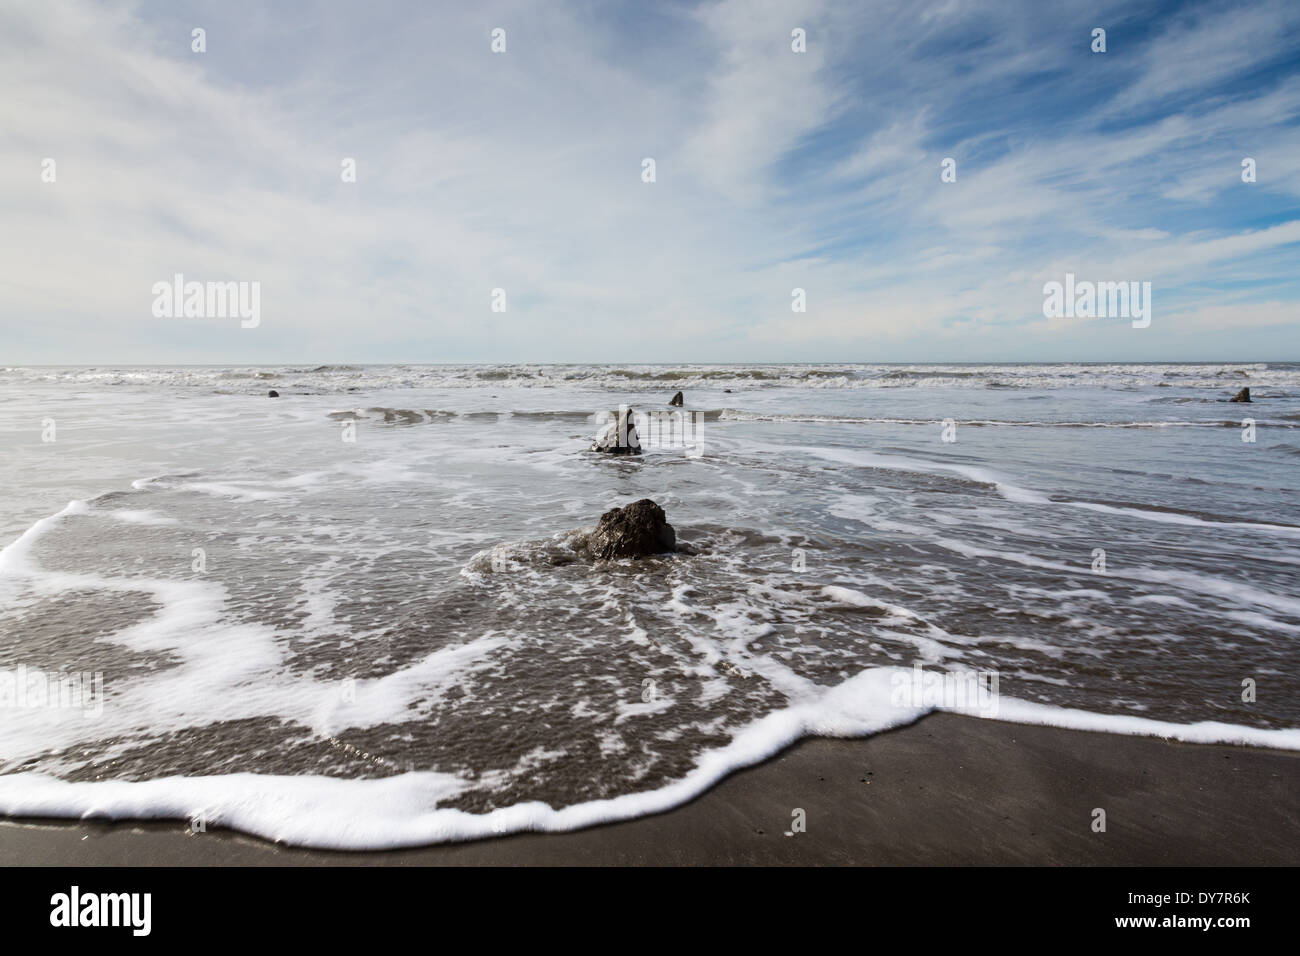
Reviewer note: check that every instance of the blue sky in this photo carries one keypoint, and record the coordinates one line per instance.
(774, 170)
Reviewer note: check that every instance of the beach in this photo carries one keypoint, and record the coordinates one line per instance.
(362, 615)
(946, 791)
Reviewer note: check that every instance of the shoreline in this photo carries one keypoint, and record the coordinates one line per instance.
(946, 790)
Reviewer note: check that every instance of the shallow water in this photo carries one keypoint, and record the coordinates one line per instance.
(309, 638)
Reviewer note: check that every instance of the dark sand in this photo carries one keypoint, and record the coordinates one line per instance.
(947, 790)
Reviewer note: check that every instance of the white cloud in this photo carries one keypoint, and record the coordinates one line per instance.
(522, 171)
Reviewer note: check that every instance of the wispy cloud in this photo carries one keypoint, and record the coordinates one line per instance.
(522, 171)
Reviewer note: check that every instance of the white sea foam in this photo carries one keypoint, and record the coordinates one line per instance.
(1167, 517)
(336, 530)
(1201, 584)
(222, 489)
(402, 810)
(140, 516)
(984, 476)
(933, 645)
(15, 557)
(1021, 495)
(254, 380)
(228, 670)
(736, 415)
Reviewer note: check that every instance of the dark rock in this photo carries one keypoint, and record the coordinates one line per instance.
(1242, 396)
(272, 394)
(639, 529)
(727, 390)
(607, 439)
(678, 400)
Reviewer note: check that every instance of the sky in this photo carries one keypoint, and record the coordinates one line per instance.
(523, 171)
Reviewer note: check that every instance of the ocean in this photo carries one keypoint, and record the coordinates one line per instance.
(358, 615)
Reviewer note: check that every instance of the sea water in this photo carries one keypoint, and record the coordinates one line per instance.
(359, 615)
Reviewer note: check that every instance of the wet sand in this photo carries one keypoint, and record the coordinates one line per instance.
(946, 790)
